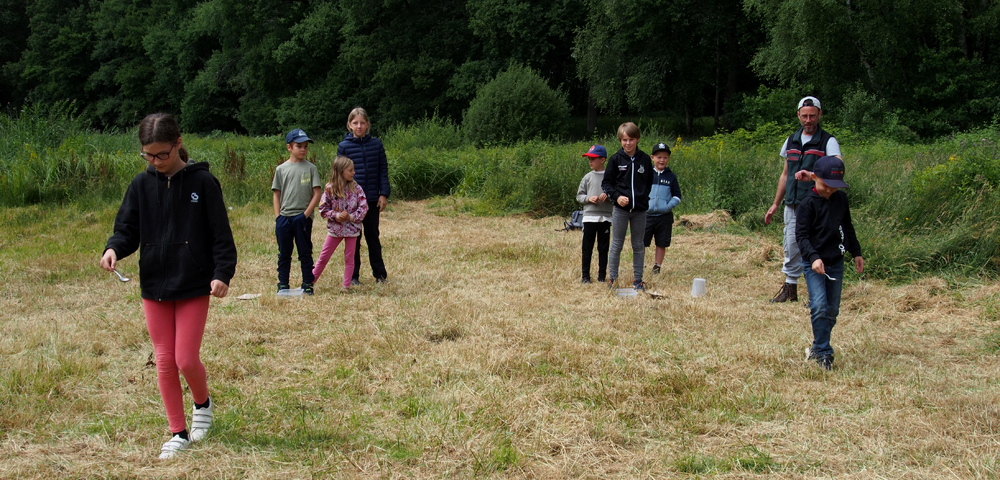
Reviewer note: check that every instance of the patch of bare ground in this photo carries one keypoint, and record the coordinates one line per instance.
(484, 356)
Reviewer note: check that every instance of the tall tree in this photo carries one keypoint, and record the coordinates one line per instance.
(14, 24)
(930, 58)
(56, 60)
(662, 56)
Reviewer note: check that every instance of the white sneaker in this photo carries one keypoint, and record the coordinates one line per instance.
(201, 421)
(173, 446)
(810, 355)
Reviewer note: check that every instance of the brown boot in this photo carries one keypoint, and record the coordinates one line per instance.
(789, 293)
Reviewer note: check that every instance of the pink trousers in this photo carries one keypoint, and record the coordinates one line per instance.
(176, 329)
(329, 246)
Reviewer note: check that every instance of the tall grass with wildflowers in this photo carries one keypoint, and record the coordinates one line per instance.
(917, 207)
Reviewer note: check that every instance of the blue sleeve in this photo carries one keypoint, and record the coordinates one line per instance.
(383, 171)
(674, 201)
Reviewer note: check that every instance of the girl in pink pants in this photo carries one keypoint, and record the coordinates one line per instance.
(344, 206)
(174, 214)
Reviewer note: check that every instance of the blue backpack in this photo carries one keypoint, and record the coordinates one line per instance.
(575, 222)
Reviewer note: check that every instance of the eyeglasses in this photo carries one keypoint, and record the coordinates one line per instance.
(149, 157)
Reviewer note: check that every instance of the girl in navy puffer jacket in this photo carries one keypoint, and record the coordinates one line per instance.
(372, 173)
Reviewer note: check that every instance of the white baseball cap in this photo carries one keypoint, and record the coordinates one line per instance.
(814, 103)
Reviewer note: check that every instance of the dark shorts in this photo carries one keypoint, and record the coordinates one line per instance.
(661, 227)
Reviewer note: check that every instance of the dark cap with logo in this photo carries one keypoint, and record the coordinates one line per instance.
(831, 170)
(297, 136)
(659, 147)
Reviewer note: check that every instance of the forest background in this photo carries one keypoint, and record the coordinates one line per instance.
(911, 68)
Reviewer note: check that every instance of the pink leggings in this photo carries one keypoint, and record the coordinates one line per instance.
(329, 246)
(176, 329)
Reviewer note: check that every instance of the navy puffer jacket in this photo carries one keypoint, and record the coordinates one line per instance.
(371, 169)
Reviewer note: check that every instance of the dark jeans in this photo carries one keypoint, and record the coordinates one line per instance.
(297, 229)
(600, 231)
(369, 228)
(824, 303)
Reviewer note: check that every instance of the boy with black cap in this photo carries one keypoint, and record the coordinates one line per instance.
(596, 213)
(824, 232)
(297, 188)
(663, 197)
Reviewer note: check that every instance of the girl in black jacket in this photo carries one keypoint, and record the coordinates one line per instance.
(173, 213)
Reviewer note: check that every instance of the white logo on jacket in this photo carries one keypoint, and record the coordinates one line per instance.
(194, 197)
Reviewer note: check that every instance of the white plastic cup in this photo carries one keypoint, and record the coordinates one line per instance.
(698, 287)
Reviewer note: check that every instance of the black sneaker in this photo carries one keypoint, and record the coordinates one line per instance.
(355, 282)
(283, 286)
(826, 362)
(612, 283)
(585, 280)
(601, 279)
(639, 286)
(380, 280)
(307, 289)
(656, 269)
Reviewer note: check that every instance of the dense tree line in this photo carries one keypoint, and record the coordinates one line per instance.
(258, 66)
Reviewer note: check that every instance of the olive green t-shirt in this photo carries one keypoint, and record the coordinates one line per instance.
(295, 181)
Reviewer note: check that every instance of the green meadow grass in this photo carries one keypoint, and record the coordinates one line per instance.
(918, 208)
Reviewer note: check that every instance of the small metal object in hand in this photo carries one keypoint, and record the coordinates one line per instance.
(120, 276)
(831, 278)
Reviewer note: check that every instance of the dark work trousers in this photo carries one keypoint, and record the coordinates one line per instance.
(297, 229)
(601, 231)
(369, 228)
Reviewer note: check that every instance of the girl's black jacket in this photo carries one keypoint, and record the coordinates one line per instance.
(181, 229)
(823, 228)
(625, 177)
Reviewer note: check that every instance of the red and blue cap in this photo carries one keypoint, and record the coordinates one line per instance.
(596, 151)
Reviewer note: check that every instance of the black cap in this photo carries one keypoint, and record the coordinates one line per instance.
(660, 147)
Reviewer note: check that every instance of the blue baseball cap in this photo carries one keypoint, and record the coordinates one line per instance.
(297, 136)
(831, 170)
(596, 151)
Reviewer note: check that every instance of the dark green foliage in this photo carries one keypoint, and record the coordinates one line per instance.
(515, 106)
(932, 61)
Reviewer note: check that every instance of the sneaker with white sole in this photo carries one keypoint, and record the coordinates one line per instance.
(174, 445)
(201, 421)
(810, 355)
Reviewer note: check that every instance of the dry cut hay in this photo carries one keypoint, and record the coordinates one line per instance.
(484, 356)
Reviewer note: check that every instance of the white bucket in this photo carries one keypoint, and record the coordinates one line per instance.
(698, 287)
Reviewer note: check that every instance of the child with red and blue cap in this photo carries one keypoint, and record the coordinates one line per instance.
(824, 232)
(596, 213)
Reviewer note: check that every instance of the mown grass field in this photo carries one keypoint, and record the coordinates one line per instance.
(484, 356)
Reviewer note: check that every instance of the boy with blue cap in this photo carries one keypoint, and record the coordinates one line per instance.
(297, 188)
(596, 213)
(824, 232)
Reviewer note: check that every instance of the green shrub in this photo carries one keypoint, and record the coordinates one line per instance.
(516, 106)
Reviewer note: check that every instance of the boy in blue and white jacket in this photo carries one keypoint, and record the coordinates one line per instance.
(663, 197)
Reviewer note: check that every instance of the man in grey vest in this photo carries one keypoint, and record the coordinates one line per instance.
(800, 151)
